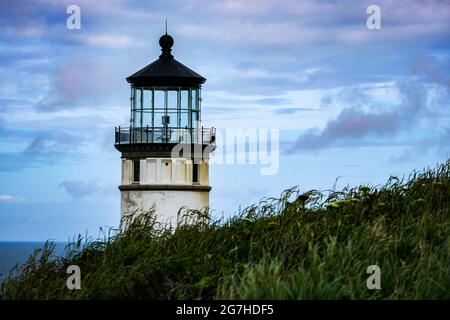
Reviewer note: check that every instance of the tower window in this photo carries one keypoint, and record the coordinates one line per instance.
(195, 173)
(136, 170)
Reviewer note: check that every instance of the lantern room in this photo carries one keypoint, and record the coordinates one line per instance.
(165, 103)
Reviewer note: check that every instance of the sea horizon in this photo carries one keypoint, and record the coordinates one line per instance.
(13, 253)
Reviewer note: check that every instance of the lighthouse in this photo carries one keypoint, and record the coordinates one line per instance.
(165, 149)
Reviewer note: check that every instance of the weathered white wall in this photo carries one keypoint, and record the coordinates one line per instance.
(166, 203)
(160, 172)
(127, 172)
(165, 171)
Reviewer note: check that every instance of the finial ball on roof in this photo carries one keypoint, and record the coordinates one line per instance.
(166, 41)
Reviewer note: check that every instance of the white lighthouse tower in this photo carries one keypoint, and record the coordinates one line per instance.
(165, 150)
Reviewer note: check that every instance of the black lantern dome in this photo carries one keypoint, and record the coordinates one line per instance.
(166, 71)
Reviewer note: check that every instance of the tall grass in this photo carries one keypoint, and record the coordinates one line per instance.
(313, 245)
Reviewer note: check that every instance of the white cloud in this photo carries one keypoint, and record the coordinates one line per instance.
(10, 198)
(115, 41)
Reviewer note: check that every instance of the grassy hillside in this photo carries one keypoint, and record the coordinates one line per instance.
(300, 246)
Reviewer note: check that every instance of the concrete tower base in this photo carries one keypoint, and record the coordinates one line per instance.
(164, 185)
(166, 203)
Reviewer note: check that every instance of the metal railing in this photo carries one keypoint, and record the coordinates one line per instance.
(131, 135)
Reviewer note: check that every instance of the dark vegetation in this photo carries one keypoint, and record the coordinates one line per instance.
(313, 245)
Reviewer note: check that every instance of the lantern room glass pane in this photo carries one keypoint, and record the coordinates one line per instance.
(195, 119)
(137, 99)
(172, 118)
(159, 119)
(184, 119)
(172, 99)
(147, 99)
(194, 96)
(184, 99)
(137, 111)
(136, 119)
(159, 99)
(147, 118)
(132, 97)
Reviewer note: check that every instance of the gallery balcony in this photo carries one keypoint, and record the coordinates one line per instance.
(160, 141)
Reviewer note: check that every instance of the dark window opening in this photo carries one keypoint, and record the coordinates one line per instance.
(136, 170)
(195, 173)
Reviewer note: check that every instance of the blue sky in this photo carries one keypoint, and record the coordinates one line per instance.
(349, 102)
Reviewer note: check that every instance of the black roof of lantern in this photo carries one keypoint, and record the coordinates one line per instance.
(166, 71)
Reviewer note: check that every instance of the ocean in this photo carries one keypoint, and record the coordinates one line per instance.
(14, 252)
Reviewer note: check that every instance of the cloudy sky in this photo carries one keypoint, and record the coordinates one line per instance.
(350, 103)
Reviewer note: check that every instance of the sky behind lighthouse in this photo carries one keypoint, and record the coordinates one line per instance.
(351, 104)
